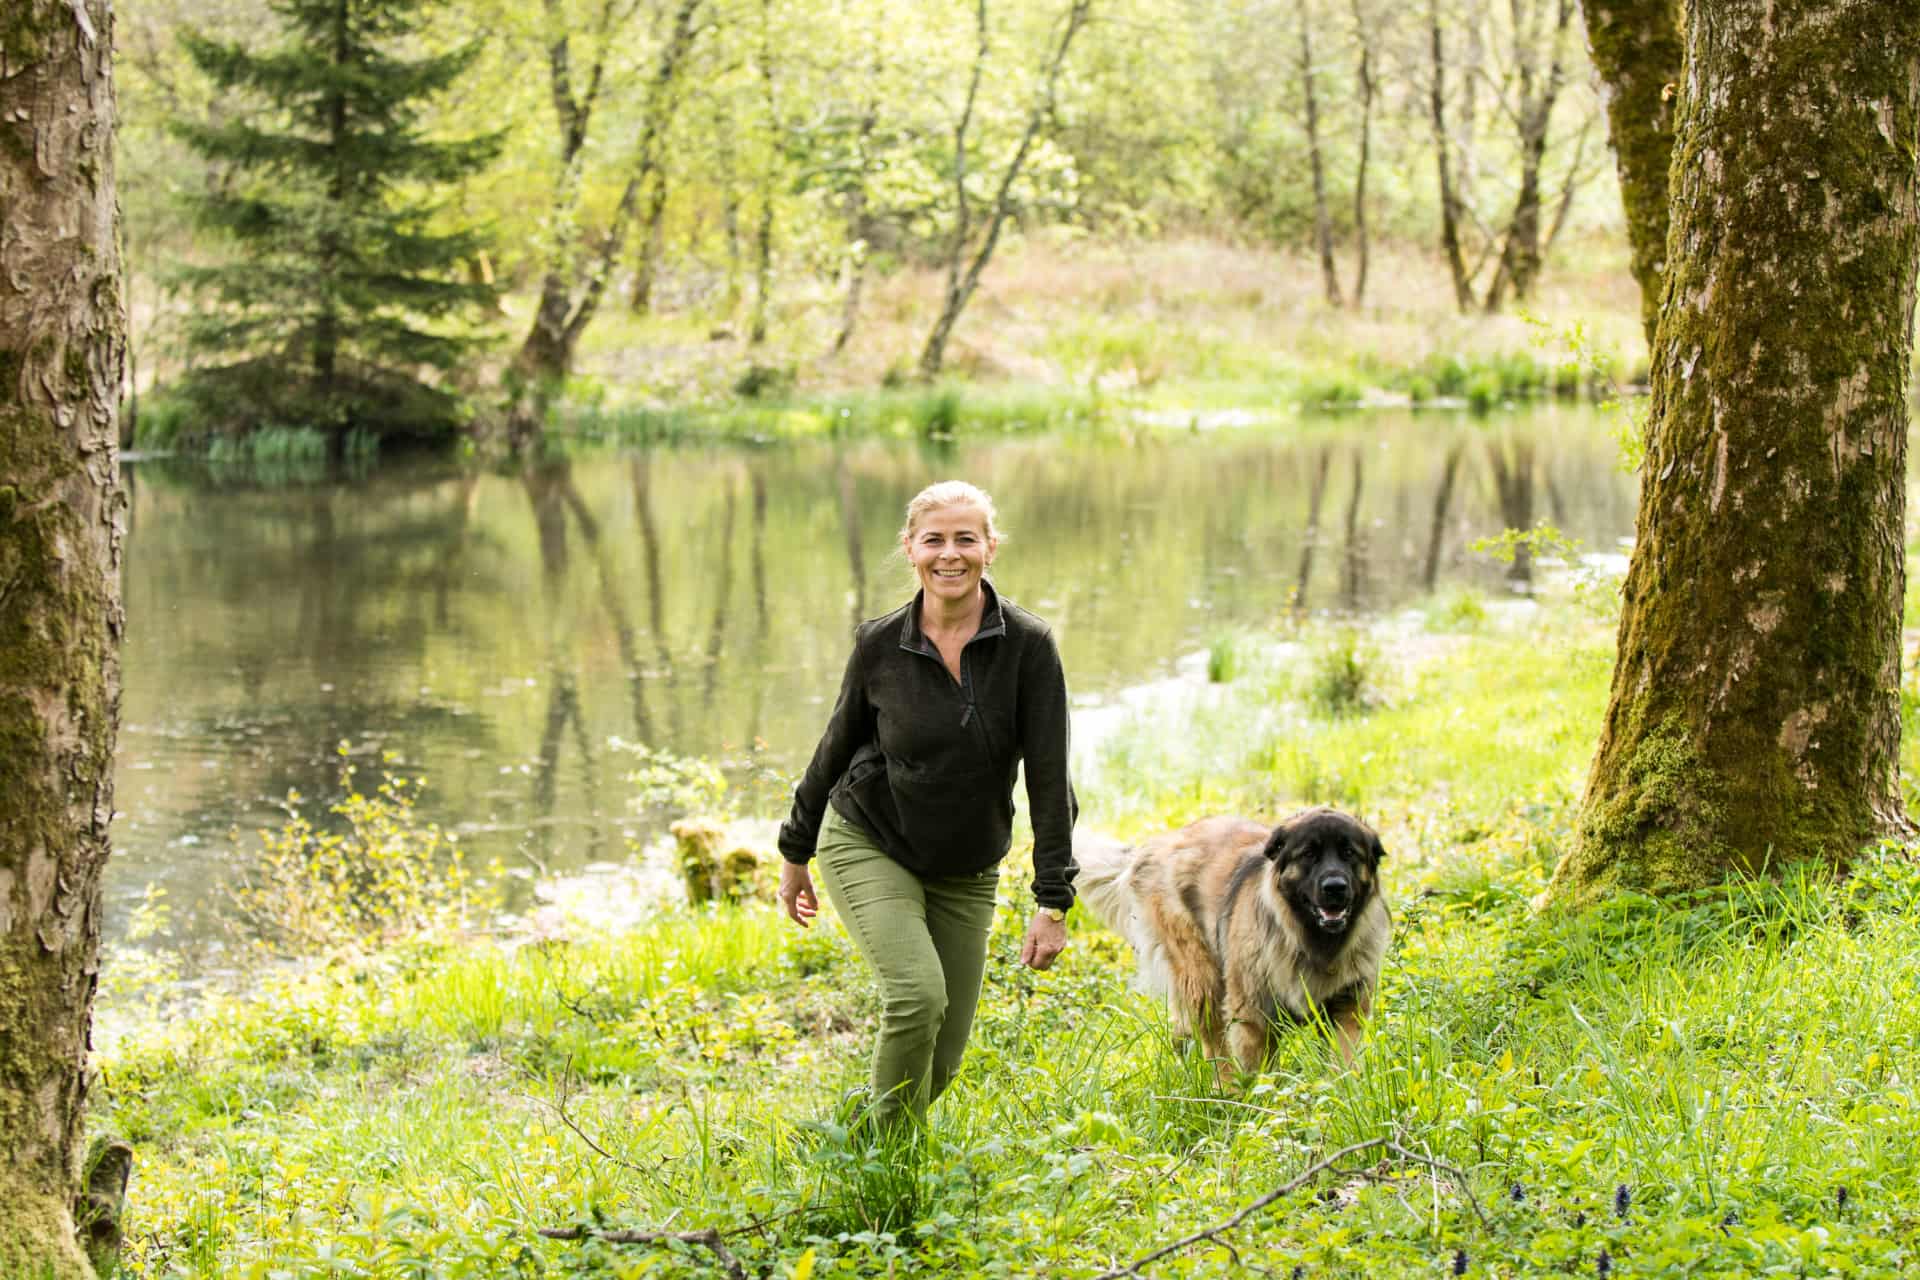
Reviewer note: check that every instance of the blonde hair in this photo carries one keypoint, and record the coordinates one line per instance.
(948, 493)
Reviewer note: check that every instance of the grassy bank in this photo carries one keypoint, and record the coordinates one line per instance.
(1716, 1087)
(1064, 331)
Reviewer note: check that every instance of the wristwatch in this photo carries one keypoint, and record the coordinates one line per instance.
(1054, 913)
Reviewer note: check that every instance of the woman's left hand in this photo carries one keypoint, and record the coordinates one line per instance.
(1046, 938)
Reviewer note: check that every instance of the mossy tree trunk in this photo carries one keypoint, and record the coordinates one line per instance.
(62, 347)
(1637, 51)
(1754, 718)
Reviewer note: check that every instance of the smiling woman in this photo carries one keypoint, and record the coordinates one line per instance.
(908, 801)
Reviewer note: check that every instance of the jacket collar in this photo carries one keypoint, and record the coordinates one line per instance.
(993, 621)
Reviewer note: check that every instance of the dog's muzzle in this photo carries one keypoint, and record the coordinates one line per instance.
(1333, 903)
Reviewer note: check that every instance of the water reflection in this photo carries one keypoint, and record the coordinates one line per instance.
(496, 629)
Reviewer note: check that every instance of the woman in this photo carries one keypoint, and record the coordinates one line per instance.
(908, 801)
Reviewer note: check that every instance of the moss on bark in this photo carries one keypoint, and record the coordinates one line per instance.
(1754, 716)
(61, 355)
(1637, 50)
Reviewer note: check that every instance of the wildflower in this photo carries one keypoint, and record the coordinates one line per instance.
(1459, 1262)
(1603, 1265)
(1622, 1200)
(1518, 1194)
(1840, 1199)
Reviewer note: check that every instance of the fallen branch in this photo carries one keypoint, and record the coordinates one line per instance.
(708, 1238)
(1311, 1172)
(564, 1090)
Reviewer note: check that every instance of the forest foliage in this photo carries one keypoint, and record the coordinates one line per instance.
(750, 167)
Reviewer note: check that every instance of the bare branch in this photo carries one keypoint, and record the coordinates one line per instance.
(708, 1238)
(559, 1104)
(1311, 1172)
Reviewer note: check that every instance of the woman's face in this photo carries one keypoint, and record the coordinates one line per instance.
(950, 551)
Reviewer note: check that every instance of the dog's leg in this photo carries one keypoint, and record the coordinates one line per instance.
(1194, 988)
(1347, 1028)
(1247, 1025)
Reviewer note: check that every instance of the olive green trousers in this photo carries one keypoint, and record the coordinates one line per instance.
(927, 943)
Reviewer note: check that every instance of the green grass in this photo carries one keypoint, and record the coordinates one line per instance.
(1732, 1061)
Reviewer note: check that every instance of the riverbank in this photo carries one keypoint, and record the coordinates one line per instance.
(1718, 1086)
(1064, 331)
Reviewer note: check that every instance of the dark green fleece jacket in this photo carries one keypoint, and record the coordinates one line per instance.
(925, 764)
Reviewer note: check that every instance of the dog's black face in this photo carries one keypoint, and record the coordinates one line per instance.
(1326, 867)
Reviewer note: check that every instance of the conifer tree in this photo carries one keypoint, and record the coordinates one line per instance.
(326, 314)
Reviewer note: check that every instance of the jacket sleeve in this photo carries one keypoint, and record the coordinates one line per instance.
(1051, 804)
(848, 729)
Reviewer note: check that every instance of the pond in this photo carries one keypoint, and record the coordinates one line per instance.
(497, 632)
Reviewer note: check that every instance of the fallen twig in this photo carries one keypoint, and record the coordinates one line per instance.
(1311, 1172)
(707, 1237)
(564, 1090)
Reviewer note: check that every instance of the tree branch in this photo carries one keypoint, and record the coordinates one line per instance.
(707, 1237)
(1311, 1172)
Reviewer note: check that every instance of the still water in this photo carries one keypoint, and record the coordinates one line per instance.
(497, 631)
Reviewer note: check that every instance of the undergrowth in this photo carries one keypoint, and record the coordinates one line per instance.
(1716, 1086)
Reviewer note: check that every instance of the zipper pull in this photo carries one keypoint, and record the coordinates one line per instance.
(966, 715)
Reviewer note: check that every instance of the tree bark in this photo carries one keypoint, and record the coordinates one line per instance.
(62, 351)
(1636, 48)
(1754, 718)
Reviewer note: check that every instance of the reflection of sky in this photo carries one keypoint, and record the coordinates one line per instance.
(494, 631)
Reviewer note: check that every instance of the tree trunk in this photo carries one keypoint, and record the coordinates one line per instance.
(62, 347)
(1754, 718)
(763, 233)
(1449, 200)
(762, 270)
(961, 284)
(1520, 251)
(1322, 223)
(652, 246)
(1636, 49)
(545, 357)
(1365, 37)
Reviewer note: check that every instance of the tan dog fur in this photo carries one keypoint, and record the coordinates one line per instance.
(1213, 931)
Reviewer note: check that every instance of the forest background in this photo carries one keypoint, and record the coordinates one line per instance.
(712, 199)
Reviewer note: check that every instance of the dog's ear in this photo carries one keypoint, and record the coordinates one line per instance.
(1375, 850)
(1276, 849)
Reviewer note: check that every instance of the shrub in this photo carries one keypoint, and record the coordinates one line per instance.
(385, 878)
(1341, 679)
(1223, 658)
(1459, 610)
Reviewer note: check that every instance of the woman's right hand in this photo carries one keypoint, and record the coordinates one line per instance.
(796, 893)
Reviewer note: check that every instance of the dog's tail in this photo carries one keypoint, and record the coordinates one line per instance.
(1101, 883)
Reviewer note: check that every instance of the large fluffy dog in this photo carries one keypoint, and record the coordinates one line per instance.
(1246, 928)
